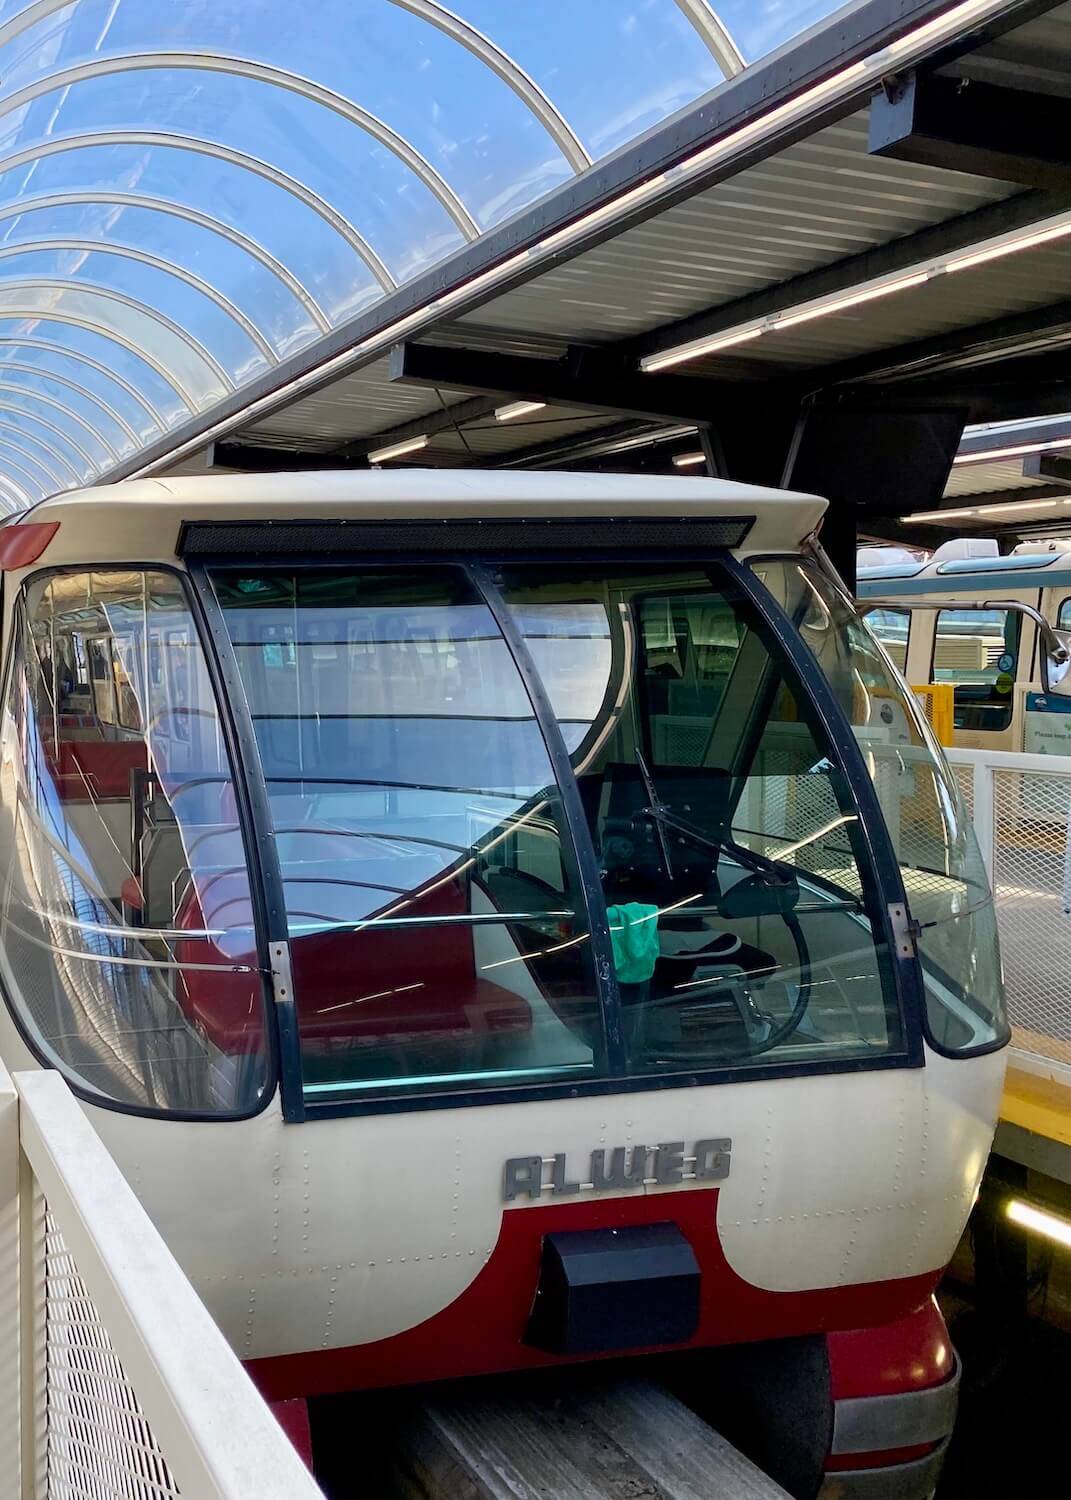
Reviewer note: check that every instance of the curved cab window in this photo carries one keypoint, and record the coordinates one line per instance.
(438, 932)
(126, 928)
(933, 838)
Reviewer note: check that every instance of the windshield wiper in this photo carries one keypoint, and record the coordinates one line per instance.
(759, 864)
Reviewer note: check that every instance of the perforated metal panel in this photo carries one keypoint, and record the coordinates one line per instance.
(98, 1444)
(1032, 884)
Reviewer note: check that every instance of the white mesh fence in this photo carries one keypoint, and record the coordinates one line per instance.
(1032, 885)
(98, 1442)
(115, 1383)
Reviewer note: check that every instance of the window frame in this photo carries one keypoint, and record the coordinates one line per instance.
(1014, 614)
(906, 997)
(272, 1049)
(283, 1071)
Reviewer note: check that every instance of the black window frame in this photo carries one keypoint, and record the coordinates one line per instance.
(269, 915)
(905, 974)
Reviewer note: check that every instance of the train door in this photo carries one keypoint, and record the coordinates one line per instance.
(986, 655)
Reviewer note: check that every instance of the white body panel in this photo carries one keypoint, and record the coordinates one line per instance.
(338, 1232)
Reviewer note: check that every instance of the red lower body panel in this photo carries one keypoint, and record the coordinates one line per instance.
(482, 1331)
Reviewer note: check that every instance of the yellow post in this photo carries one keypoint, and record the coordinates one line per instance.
(938, 704)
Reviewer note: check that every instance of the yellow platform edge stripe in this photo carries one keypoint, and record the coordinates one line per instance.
(1040, 1105)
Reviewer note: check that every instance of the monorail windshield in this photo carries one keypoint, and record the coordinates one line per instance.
(535, 826)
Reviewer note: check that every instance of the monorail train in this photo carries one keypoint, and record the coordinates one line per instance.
(970, 617)
(501, 920)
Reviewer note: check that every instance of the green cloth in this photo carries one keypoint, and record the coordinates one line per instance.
(634, 935)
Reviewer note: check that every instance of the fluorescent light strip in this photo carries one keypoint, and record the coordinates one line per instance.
(895, 56)
(1012, 508)
(996, 249)
(686, 460)
(989, 455)
(398, 450)
(515, 409)
(818, 309)
(1051, 1226)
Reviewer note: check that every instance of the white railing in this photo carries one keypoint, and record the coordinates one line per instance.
(1021, 806)
(115, 1383)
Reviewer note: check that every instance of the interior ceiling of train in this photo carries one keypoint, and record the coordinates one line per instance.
(190, 194)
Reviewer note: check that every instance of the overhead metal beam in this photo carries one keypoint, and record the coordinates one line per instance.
(445, 419)
(716, 34)
(579, 448)
(26, 443)
(998, 497)
(1012, 135)
(251, 458)
(583, 378)
(1041, 330)
(1051, 466)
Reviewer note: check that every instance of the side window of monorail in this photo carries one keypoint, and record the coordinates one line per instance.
(933, 838)
(1063, 617)
(892, 628)
(126, 933)
(977, 651)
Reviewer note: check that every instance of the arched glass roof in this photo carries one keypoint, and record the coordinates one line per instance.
(191, 193)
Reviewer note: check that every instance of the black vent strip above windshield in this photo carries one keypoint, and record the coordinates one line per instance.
(497, 536)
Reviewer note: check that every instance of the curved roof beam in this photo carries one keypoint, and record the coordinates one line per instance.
(27, 17)
(13, 495)
(109, 294)
(54, 431)
(236, 237)
(34, 479)
(27, 437)
(158, 262)
(715, 33)
(75, 320)
(56, 145)
(283, 78)
(510, 72)
(24, 341)
(11, 393)
(40, 373)
(7, 404)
